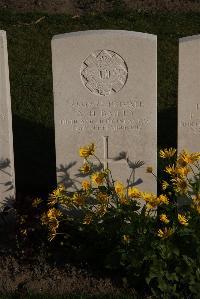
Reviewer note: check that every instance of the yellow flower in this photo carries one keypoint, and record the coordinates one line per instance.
(87, 151)
(59, 190)
(56, 194)
(78, 199)
(151, 205)
(170, 169)
(147, 196)
(180, 185)
(85, 168)
(36, 202)
(182, 171)
(163, 199)
(186, 158)
(134, 192)
(103, 197)
(195, 157)
(87, 219)
(149, 169)
(165, 233)
(164, 219)
(167, 153)
(50, 219)
(182, 220)
(122, 199)
(126, 238)
(164, 185)
(86, 185)
(98, 178)
(151, 200)
(177, 170)
(53, 213)
(119, 188)
(101, 211)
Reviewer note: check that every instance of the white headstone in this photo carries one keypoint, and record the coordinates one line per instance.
(105, 91)
(7, 182)
(189, 94)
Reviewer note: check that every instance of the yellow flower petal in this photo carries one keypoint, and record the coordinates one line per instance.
(87, 151)
(98, 178)
(182, 219)
(164, 219)
(86, 185)
(167, 153)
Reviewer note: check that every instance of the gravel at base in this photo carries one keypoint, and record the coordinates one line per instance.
(81, 6)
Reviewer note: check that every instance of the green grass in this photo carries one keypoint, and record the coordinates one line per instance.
(31, 80)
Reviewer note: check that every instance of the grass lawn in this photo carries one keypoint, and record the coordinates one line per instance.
(29, 47)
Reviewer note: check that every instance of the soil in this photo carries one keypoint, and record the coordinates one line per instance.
(22, 277)
(25, 271)
(81, 6)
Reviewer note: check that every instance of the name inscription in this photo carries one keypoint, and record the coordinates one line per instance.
(100, 116)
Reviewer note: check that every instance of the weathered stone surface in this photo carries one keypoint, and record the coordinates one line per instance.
(7, 182)
(105, 91)
(189, 94)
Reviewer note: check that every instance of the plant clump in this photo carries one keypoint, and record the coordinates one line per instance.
(151, 239)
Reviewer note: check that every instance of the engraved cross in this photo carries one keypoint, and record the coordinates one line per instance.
(106, 158)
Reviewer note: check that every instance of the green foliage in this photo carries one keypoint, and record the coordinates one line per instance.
(173, 272)
(104, 228)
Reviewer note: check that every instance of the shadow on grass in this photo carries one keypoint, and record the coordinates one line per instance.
(34, 149)
(167, 128)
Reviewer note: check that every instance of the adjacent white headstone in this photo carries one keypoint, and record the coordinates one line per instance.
(105, 91)
(189, 94)
(7, 182)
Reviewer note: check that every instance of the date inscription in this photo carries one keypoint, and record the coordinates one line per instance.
(110, 116)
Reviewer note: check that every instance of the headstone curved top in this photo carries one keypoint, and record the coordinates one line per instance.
(7, 181)
(105, 91)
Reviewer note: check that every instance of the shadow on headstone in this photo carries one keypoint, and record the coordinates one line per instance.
(7, 211)
(64, 177)
(35, 163)
(7, 184)
(133, 165)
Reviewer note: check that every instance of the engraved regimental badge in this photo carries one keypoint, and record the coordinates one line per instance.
(104, 72)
